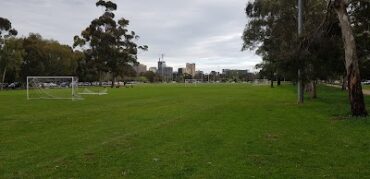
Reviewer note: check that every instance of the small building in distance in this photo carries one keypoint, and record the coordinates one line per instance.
(140, 68)
(199, 75)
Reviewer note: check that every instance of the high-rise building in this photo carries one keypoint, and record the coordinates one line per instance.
(190, 69)
(168, 74)
(161, 67)
(165, 72)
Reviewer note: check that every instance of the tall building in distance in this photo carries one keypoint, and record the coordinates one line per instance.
(190, 69)
(161, 66)
(164, 72)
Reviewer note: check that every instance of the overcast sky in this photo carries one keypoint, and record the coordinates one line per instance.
(205, 32)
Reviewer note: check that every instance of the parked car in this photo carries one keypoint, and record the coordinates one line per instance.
(64, 84)
(53, 85)
(367, 82)
(4, 85)
(14, 85)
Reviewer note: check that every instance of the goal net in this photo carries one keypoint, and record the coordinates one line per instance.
(189, 82)
(52, 87)
(261, 82)
(93, 91)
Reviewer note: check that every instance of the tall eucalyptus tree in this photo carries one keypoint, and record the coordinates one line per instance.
(108, 43)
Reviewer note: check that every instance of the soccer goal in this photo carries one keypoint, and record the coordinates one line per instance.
(52, 87)
(93, 91)
(191, 82)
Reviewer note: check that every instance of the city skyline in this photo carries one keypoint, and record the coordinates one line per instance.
(206, 32)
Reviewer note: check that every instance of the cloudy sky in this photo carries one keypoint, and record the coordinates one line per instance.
(205, 32)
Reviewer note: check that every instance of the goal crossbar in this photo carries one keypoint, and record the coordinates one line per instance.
(52, 87)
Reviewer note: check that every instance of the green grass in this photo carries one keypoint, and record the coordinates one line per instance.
(172, 131)
(367, 87)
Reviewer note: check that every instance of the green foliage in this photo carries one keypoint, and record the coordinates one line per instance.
(110, 46)
(6, 29)
(151, 76)
(48, 58)
(11, 57)
(272, 31)
(11, 52)
(360, 18)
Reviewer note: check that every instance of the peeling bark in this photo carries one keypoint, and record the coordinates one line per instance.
(356, 96)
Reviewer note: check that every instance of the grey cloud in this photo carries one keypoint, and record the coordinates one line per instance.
(207, 32)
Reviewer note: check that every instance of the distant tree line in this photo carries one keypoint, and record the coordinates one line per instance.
(105, 48)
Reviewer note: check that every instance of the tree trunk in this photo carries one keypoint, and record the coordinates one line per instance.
(356, 96)
(100, 80)
(113, 80)
(344, 83)
(272, 83)
(3, 78)
(272, 80)
(314, 89)
(278, 80)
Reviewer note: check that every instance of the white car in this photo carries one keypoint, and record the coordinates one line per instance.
(367, 82)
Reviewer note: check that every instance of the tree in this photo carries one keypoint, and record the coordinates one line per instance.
(151, 76)
(11, 56)
(6, 30)
(272, 32)
(47, 58)
(10, 48)
(356, 96)
(267, 70)
(110, 45)
(360, 20)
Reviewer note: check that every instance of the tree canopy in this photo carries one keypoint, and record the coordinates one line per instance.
(108, 44)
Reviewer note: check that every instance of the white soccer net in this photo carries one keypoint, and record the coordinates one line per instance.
(261, 82)
(191, 82)
(93, 91)
(52, 87)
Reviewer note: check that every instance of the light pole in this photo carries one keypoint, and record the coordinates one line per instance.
(300, 29)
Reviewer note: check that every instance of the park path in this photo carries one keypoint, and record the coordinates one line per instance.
(365, 91)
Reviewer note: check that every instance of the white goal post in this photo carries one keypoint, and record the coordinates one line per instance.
(191, 82)
(52, 87)
(98, 91)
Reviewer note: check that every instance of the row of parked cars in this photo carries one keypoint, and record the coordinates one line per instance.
(13, 85)
(109, 83)
(367, 82)
(16, 85)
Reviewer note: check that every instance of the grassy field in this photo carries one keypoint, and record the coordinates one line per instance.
(173, 131)
(367, 87)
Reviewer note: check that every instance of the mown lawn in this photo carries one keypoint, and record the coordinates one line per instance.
(367, 87)
(173, 131)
